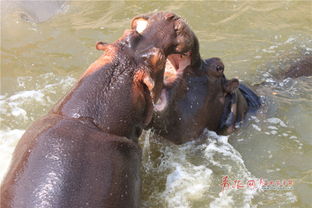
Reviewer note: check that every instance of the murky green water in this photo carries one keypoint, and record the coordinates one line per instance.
(40, 62)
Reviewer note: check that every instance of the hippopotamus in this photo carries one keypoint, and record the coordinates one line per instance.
(199, 96)
(237, 102)
(300, 67)
(34, 11)
(84, 152)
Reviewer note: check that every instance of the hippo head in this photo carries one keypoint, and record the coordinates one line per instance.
(215, 67)
(215, 70)
(164, 30)
(170, 33)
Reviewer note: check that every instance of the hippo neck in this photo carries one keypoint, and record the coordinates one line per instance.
(104, 96)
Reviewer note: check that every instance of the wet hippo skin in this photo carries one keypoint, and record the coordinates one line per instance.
(201, 97)
(84, 152)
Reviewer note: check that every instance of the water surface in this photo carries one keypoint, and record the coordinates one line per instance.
(40, 61)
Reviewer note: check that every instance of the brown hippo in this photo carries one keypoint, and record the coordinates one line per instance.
(235, 106)
(300, 67)
(84, 152)
(199, 96)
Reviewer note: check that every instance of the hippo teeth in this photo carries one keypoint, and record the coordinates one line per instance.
(175, 65)
(162, 102)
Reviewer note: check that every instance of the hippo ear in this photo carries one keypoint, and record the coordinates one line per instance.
(170, 16)
(101, 46)
(231, 85)
(139, 23)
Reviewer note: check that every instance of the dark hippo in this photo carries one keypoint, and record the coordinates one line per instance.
(202, 98)
(84, 152)
(300, 67)
(235, 106)
(34, 11)
(199, 96)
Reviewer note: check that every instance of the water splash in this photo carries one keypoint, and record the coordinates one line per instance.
(194, 171)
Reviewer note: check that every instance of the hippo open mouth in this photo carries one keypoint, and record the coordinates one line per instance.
(175, 66)
(174, 69)
(170, 33)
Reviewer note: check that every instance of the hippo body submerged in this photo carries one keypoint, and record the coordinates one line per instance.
(64, 162)
(35, 11)
(75, 156)
(302, 66)
(201, 97)
(84, 152)
(188, 103)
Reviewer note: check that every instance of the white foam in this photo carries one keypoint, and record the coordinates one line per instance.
(256, 127)
(273, 132)
(36, 95)
(21, 104)
(272, 127)
(188, 183)
(224, 200)
(290, 40)
(276, 121)
(14, 105)
(17, 107)
(8, 141)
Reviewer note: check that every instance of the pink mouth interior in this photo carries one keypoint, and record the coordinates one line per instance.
(175, 66)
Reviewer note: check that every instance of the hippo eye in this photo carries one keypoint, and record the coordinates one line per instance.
(220, 68)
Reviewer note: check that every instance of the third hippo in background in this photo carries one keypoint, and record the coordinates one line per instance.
(300, 67)
(34, 11)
